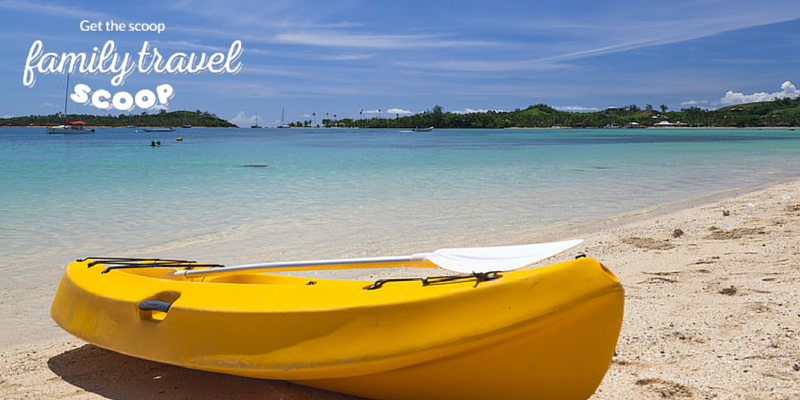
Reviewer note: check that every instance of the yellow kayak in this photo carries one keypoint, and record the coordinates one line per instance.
(542, 333)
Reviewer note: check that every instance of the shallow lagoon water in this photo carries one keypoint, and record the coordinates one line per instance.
(246, 195)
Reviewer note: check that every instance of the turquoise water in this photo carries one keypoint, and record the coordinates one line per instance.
(339, 192)
(104, 191)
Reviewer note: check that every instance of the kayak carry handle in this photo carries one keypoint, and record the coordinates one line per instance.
(154, 305)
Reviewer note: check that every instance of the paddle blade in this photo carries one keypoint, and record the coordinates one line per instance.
(499, 258)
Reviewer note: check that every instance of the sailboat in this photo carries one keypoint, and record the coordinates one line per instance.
(185, 125)
(256, 126)
(69, 127)
(283, 125)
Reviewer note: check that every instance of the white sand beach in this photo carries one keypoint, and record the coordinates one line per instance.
(711, 312)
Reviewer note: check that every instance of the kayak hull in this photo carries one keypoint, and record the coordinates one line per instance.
(516, 367)
(546, 333)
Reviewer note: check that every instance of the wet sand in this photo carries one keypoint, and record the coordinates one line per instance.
(712, 311)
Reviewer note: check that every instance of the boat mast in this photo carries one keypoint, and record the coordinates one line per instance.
(66, 97)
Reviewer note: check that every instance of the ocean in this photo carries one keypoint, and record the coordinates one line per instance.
(255, 195)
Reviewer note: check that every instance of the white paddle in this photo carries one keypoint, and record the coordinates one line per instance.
(464, 260)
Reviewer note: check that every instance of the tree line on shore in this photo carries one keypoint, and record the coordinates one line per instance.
(162, 118)
(779, 112)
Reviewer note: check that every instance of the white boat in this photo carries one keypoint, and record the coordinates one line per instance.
(256, 126)
(77, 127)
(283, 125)
(160, 129)
(69, 128)
(418, 129)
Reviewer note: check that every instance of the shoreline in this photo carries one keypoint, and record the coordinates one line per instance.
(789, 128)
(125, 127)
(665, 208)
(716, 299)
(760, 128)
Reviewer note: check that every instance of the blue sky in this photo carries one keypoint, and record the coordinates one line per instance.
(340, 57)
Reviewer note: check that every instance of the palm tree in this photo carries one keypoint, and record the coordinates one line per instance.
(315, 117)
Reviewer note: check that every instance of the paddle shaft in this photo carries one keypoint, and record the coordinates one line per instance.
(463, 260)
(416, 260)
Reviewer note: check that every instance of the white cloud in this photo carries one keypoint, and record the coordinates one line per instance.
(577, 108)
(248, 89)
(659, 24)
(52, 9)
(471, 111)
(607, 30)
(242, 120)
(185, 44)
(346, 57)
(787, 90)
(485, 66)
(390, 111)
(247, 69)
(335, 39)
(694, 102)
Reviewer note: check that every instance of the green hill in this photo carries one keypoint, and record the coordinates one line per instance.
(780, 112)
(175, 118)
(785, 107)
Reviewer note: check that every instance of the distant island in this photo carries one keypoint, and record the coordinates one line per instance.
(777, 113)
(783, 112)
(175, 118)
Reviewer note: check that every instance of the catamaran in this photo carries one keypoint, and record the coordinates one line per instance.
(69, 127)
